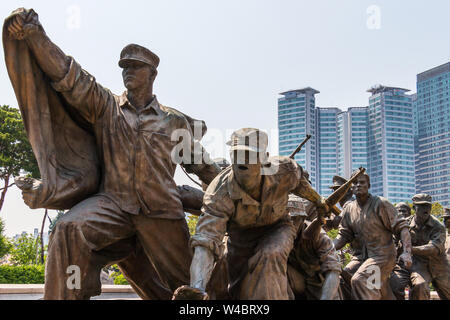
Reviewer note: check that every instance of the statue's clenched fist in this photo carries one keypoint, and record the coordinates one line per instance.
(30, 190)
(24, 23)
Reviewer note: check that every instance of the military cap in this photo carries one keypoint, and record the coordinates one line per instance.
(135, 52)
(337, 182)
(296, 203)
(248, 139)
(421, 198)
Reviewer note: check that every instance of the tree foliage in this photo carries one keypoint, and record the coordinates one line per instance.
(24, 250)
(5, 244)
(16, 155)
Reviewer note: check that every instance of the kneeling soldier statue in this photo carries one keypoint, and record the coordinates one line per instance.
(248, 201)
(429, 261)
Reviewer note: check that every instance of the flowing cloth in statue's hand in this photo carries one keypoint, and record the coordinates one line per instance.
(65, 152)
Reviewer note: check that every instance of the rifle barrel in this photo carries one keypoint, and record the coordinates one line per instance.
(300, 146)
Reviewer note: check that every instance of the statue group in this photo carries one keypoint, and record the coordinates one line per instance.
(110, 161)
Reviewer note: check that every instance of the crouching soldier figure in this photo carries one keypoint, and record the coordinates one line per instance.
(429, 261)
(248, 201)
(313, 265)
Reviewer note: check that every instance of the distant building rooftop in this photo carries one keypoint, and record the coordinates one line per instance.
(303, 90)
(434, 72)
(380, 88)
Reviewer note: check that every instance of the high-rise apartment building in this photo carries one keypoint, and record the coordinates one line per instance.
(327, 146)
(433, 133)
(296, 119)
(391, 143)
(378, 137)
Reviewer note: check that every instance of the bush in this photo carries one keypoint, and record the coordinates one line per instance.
(34, 274)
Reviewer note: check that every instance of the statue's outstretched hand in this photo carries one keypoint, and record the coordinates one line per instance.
(30, 190)
(24, 23)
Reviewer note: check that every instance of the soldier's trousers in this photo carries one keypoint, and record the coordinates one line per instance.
(419, 279)
(364, 279)
(257, 261)
(153, 254)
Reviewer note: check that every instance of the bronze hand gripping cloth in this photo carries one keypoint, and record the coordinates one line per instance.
(65, 151)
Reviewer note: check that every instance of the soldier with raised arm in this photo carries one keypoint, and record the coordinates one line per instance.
(134, 215)
(369, 223)
(248, 201)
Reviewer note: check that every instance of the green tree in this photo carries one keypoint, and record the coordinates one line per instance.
(16, 155)
(24, 250)
(5, 244)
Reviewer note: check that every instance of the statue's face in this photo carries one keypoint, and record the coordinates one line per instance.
(137, 74)
(423, 211)
(246, 165)
(361, 186)
(403, 211)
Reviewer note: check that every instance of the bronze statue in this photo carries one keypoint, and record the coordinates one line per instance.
(338, 181)
(447, 226)
(108, 159)
(369, 223)
(403, 209)
(248, 201)
(313, 264)
(429, 261)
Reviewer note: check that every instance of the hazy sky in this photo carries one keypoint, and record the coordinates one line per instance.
(226, 61)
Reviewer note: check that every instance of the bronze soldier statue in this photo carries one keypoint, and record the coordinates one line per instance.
(403, 209)
(369, 223)
(248, 201)
(338, 181)
(447, 226)
(313, 264)
(127, 209)
(429, 261)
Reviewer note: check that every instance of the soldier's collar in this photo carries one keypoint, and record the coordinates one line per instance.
(236, 192)
(124, 102)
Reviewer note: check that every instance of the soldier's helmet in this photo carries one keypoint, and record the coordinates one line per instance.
(296, 207)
